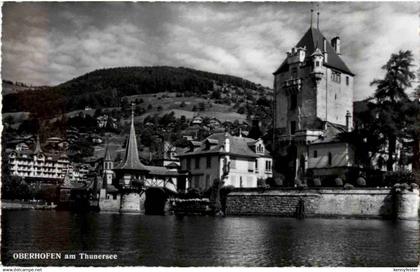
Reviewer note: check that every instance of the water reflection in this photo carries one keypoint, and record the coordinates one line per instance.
(211, 241)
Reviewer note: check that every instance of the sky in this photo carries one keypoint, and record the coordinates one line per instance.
(50, 43)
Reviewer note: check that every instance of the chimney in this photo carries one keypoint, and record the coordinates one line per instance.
(348, 121)
(324, 50)
(335, 43)
(227, 144)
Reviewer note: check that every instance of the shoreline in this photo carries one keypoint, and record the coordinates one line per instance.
(23, 205)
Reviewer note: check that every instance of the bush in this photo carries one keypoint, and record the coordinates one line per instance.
(360, 181)
(348, 186)
(241, 110)
(193, 193)
(338, 182)
(317, 182)
(392, 178)
(261, 183)
(279, 181)
(405, 186)
(270, 182)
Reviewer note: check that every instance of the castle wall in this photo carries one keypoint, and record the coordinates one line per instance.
(339, 155)
(308, 103)
(132, 203)
(326, 99)
(334, 99)
(281, 106)
(107, 203)
(369, 203)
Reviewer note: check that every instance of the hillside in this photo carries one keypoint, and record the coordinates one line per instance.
(106, 87)
(10, 87)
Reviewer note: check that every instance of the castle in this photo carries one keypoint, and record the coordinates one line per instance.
(313, 97)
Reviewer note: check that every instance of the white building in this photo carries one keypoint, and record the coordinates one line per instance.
(238, 161)
(37, 165)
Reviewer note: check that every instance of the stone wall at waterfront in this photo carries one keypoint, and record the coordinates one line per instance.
(326, 202)
(133, 203)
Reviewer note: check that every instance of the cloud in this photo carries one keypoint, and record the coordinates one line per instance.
(49, 43)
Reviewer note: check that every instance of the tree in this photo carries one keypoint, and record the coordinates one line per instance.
(393, 107)
(241, 110)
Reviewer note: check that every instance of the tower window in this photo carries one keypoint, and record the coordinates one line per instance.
(336, 76)
(315, 154)
(293, 101)
(292, 127)
(294, 72)
(329, 158)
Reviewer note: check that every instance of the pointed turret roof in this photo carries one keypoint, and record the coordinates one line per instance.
(107, 156)
(131, 160)
(37, 146)
(312, 40)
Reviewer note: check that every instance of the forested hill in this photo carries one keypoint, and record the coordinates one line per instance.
(105, 87)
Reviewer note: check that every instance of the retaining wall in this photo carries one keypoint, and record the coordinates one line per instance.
(326, 202)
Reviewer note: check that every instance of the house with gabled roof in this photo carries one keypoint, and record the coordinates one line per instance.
(236, 160)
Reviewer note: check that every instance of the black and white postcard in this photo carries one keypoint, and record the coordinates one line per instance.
(210, 134)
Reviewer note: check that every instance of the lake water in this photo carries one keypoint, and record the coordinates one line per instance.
(209, 241)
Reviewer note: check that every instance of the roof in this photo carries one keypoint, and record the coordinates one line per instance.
(172, 165)
(111, 188)
(162, 171)
(37, 146)
(239, 146)
(131, 160)
(331, 134)
(312, 40)
(107, 156)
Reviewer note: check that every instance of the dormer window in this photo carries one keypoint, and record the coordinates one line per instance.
(316, 63)
(260, 148)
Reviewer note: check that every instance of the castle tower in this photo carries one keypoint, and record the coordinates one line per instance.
(317, 81)
(313, 87)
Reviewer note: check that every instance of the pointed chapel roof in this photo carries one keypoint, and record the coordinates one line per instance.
(131, 160)
(107, 156)
(312, 40)
(37, 146)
